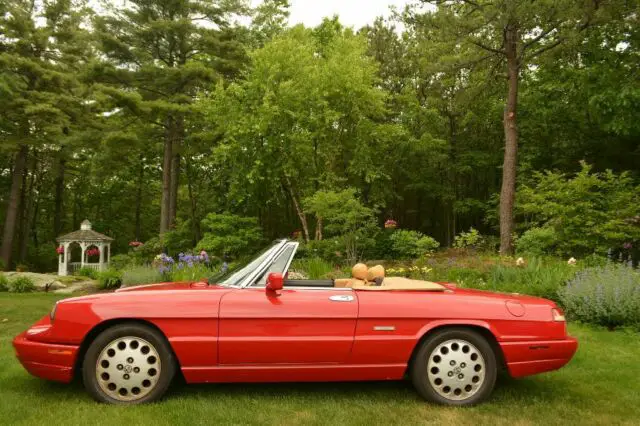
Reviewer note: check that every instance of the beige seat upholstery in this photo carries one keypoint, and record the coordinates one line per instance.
(374, 279)
(401, 283)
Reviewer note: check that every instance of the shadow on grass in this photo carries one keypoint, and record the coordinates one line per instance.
(523, 392)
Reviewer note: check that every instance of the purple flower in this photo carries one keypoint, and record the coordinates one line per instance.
(627, 246)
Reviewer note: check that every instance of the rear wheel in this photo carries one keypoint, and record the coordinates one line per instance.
(128, 364)
(455, 366)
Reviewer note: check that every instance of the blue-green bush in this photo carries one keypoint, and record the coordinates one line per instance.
(136, 275)
(608, 296)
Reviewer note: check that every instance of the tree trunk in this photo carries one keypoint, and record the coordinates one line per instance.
(13, 206)
(138, 223)
(28, 202)
(319, 229)
(165, 205)
(175, 182)
(194, 211)
(508, 192)
(59, 200)
(299, 211)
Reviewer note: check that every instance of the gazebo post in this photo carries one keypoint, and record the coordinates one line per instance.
(83, 247)
(101, 248)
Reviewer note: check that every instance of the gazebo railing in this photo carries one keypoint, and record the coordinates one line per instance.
(74, 266)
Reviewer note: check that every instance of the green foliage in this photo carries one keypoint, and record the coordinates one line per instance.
(607, 296)
(87, 272)
(232, 235)
(586, 213)
(109, 279)
(411, 244)
(121, 261)
(537, 241)
(344, 217)
(313, 268)
(21, 285)
(4, 283)
(471, 239)
(136, 275)
(194, 273)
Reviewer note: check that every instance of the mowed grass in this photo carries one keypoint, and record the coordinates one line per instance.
(600, 386)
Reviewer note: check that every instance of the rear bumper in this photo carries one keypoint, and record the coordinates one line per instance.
(46, 360)
(528, 358)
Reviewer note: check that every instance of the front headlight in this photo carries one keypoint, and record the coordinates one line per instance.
(52, 314)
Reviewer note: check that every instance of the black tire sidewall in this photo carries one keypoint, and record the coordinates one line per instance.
(122, 330)
(419, 374)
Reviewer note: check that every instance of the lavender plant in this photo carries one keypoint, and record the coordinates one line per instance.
(607, 296)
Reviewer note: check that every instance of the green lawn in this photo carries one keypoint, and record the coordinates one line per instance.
(600, 386)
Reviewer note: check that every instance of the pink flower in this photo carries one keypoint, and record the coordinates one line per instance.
(60, 250)
(390, 224)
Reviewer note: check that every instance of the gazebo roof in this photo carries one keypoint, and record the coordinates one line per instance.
(84, 234)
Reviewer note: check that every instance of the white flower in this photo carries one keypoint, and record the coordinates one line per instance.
(520, 262)
(571, 261)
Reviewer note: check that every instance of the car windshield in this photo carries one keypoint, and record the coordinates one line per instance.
(235, 276)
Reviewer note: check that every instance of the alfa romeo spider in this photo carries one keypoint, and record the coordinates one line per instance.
(256, 325)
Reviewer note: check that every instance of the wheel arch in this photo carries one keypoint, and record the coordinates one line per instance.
(480, 327)
(104, 325)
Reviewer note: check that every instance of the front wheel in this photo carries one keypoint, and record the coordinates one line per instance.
(455, 366)
(128, 364)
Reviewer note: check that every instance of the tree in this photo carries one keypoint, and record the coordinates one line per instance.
(510, 35)
(41, 50)
(160, 53)
(306, 117)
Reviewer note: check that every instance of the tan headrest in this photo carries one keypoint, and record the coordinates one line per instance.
(359, 271)
(375, 272)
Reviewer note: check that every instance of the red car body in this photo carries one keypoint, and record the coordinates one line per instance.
(226, 334)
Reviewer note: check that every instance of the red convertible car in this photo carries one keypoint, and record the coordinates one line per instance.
(255, 325)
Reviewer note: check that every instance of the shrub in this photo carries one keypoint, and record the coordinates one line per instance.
(4, 283)
(411, 244)
(313, 268)
(22, 285)
(542, 278)
(190, 273)
(471, 239)
(227, 234)
(122, 261)
(588, 212)
(141, 275)
(109, 279)
(607, 296)
(21, 267)
(87, 272)
(538, 242)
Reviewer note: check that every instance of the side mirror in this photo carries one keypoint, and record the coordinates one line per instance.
(275, 281)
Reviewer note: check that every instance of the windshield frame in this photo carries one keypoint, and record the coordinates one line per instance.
(247, 274)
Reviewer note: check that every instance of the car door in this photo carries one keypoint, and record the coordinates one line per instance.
(291, 326)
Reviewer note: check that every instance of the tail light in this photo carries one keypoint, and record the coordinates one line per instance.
(557, 315)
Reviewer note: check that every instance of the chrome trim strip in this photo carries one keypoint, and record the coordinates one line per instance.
(384, 328)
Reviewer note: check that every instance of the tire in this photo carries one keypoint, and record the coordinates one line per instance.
(454, 366)
(128, 364)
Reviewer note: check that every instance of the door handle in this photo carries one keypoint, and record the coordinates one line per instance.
(341, 298)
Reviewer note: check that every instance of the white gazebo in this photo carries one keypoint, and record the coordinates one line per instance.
(85, 237)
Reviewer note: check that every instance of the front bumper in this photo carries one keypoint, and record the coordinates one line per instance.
(46, 360)
(528, 358)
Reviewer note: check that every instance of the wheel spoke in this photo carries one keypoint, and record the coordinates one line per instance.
(456, 369)
(128, 368)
